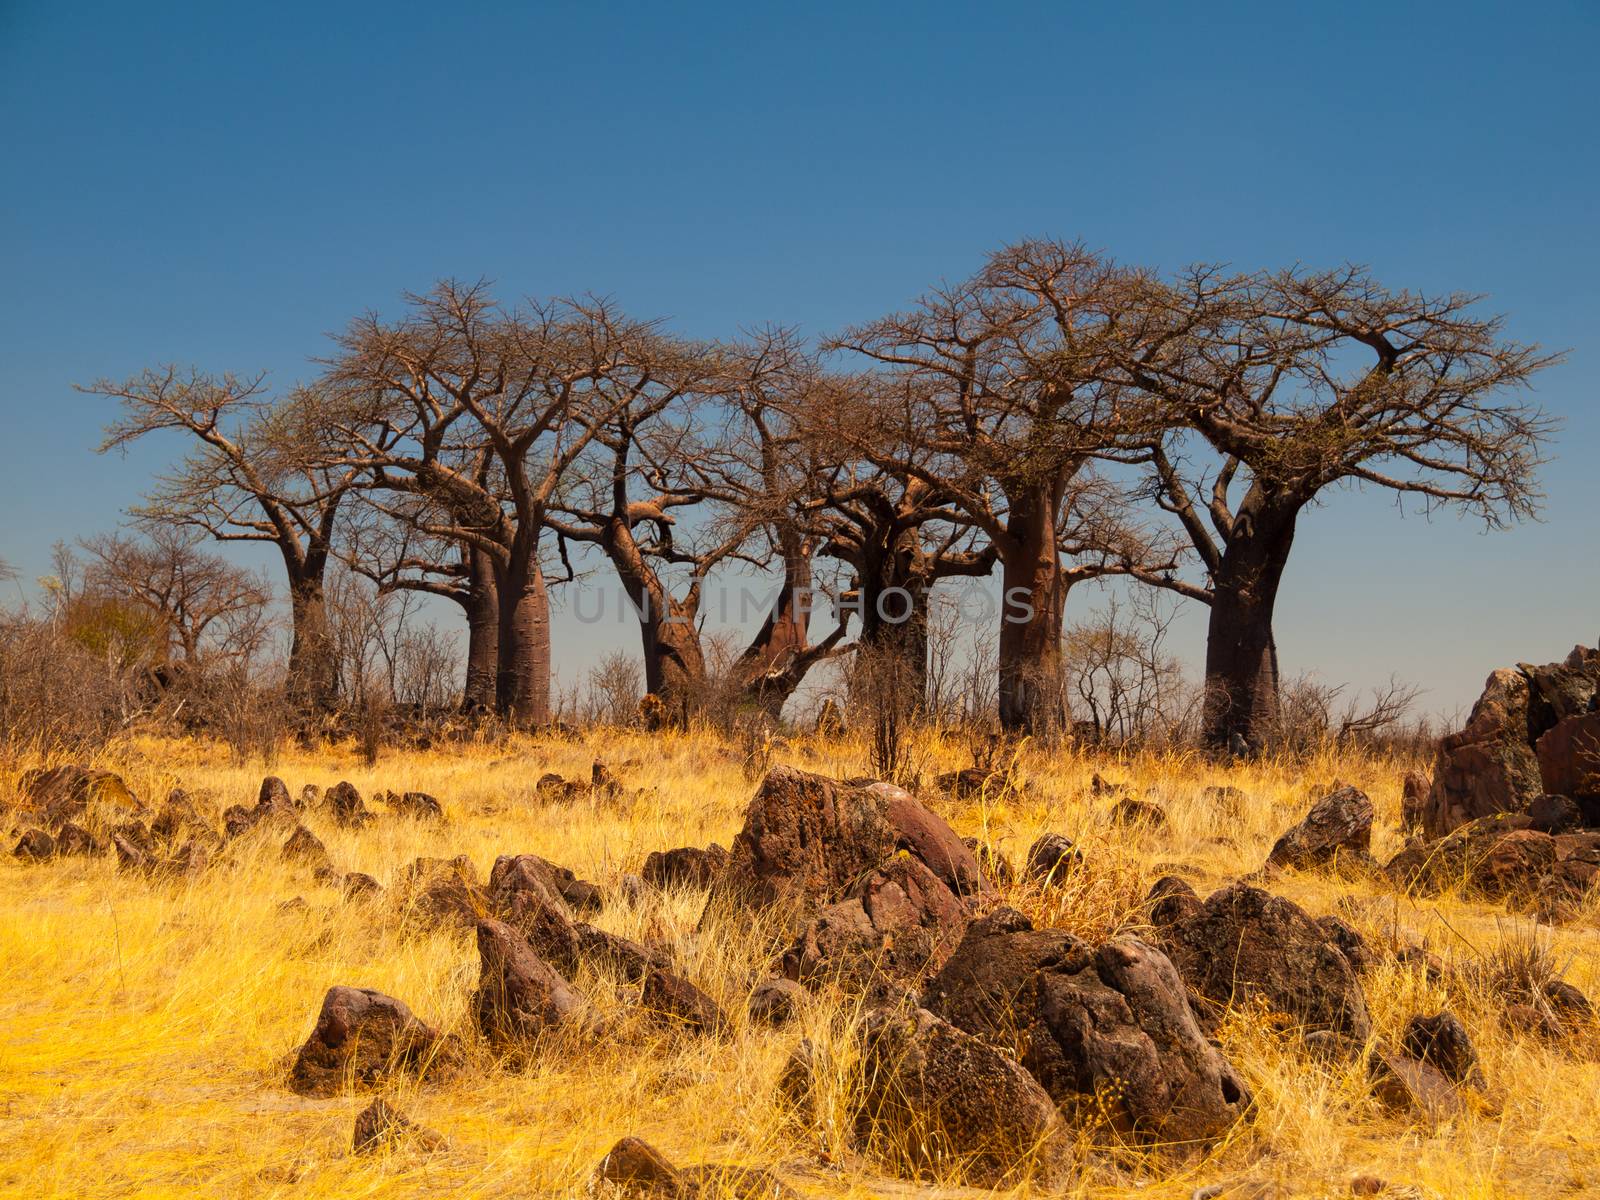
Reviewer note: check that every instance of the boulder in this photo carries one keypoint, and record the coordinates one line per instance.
(346, 805)
(1049, 857)
(807, 838)
(1403, 1083)
(419, 806)
(305, 847)
(556, 884)
(1442, 1042)
(996, 867)
(1337, 831)
(64, 793)
(1106, 1030)
(519, 995)
(380, 1126)
(677, 1002)
(775, 1002)
(1569, 762)
(362, 1037)
(75, 840)
(1555, 814)
(686, 866)
(1244, 942)
(932, 1096)
(892, 928)
(35, 845)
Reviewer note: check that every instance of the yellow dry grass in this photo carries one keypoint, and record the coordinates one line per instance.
(145, 1027)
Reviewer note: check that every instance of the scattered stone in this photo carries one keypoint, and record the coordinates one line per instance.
(1132, 810)
(358, 884)
(419, 806)
(996, 867)
(932, 1096)
(1051, 856)
(346, 805)
(807, 838)
(1245, 942)
(1413, 799)
(892, 929)
(1400, 1082)
(381, 1126)
(305, 847)
(35, 846)
(1337, 831)
(1536, 1021)
(361, 1038)
(519, 996)
(1555, 814)
(1106, 1030)
(74, 839)
(676, 1001)
(685, 867)
(775, 1002)
(1171, 899)
(1442, 1041)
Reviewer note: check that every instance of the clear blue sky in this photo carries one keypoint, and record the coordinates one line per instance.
(225, 184)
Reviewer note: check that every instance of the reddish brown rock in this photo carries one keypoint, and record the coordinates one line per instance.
(686, 866)
(1489, 766)
(1569, 763)
(519, 996)
(1337, 831)
(381, 1126)
(677, 1002)
(361, 1038)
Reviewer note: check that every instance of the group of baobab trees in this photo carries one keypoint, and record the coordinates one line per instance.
(1057, 416)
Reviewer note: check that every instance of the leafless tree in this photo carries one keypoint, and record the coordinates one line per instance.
(238, 486)
(991, 397)
(1279, 386)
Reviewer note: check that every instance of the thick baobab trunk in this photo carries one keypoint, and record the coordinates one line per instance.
(674, 664)
(522, 684)
(1033, 596)
(894, 615)
(1241, 696)
(313, 664)
(773, 664)
(482, 604)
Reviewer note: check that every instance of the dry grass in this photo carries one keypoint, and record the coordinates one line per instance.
(145, 1027)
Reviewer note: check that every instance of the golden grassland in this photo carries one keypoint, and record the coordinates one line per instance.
(146, 1026)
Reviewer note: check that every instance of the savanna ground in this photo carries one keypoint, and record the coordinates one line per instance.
(146, 1027)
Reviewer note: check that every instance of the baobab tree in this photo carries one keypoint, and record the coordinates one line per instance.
(1297, 381)
(239, 486)
(989, 395)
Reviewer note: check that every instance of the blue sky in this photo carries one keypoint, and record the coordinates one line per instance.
(222, 185)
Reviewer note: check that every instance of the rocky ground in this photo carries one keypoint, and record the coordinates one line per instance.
(648, 964)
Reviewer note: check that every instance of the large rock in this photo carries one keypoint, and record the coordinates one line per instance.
(808, 838)
(893, 928)
(1499, 857)
(1337, 831)
(346, 805)
(634, 1168)
(675, 1001)
(1491, 766)
(381, 1126)
(513, 873)
(442, 891)
(1106, 1030)
(62, 794)
(1569, 762)
(1243, 942)
(685, 866)
(519, 996)
(933, 1096)
(361, 1038)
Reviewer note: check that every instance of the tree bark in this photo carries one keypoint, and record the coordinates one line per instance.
(313, 666)
(894, 610)
(1033, 598)
(1241, 696)
(522, 684)
(482, 604)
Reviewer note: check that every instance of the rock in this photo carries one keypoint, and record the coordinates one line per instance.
(1050, 856)
(932, 1097)
(346, 805)
(236, 821)
(1569, 762)
(519, 996)
(775, 1002)
(1400, 1082)
(1514, 863)
(1555, 814)
(1568, 1002)
(1489, 766)
(1442, 1042)
(520, 872)
(1496, 856)
(362, 1037)
(1350, 942)
(273, 794)
(177, 815)
(441, 890)
(687, 866)
(619, 954)
(75, 840)
(381, 1126)
(35, 845)
(1132, 810)
(1414, 799)
(1171, 899)
(305, 847)
(1245, 942)
(970, 781)
(1537, 1021)
(892, 929)
(675, 1001)
(637, 1168)
(64, 793)
(419, 806)
(996, 867)
(807, 838)
(358, 885)
(1337, 830)
(1106, 1030)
